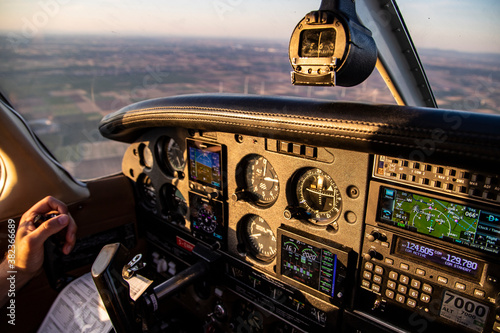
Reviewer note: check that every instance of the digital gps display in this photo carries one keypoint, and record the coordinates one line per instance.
(452, 222)
(205, 163)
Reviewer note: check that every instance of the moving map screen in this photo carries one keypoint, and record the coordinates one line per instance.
(459, 224)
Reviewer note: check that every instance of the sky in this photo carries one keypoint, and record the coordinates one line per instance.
(461, 25)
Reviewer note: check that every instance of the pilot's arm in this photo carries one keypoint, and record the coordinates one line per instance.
(29, 241)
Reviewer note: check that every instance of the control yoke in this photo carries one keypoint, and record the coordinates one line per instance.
(115, 279)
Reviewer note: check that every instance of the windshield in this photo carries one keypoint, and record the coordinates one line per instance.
(64, 65)
(459, 47)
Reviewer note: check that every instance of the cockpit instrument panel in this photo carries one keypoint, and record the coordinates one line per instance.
(312, 241)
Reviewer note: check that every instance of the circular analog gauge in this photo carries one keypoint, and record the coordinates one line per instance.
(170, 155)
(173, 203)
(147, 191)
(206, 220)
(258, 237)
(261, 181)
(146, 157)
(319, 196)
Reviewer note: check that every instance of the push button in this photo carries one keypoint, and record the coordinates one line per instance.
(479, 293)
(404, 279)
(377, 279)
(425, 298)
(310, 152)
(284, 146)
(415, 283)
(402, 289)
(413, 293)
(442, 280)
(411, 303)
(427, 288)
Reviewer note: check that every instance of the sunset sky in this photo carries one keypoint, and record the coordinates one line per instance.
(445, 24)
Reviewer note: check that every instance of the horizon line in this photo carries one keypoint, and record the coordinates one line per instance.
(4, 33)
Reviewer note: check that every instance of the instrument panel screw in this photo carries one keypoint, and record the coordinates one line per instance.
(239, 138)
(353, 192)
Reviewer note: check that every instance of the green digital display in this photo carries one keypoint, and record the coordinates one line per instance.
(460, 224)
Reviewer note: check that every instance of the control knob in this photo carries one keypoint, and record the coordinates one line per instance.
(291, 212)
(239, 195)
(219, 311)
(371, 254)
(213, 195)
(376, 235)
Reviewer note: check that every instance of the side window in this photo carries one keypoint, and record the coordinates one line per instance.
(3, 174)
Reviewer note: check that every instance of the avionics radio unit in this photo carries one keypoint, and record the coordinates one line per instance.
(428, 262)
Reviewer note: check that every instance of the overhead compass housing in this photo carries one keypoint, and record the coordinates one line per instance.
(331, 47)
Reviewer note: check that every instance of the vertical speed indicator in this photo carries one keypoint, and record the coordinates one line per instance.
(319, 196)
(258, 237)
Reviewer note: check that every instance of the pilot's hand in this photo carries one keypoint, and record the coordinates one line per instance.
(30, 239)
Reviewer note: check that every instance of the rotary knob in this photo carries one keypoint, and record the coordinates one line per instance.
(376, 235)
(371, 254)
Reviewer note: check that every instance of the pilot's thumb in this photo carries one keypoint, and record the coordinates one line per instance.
(53, 226)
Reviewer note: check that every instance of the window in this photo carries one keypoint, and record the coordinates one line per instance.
(66, 65)
(459, 47)
(3, 175)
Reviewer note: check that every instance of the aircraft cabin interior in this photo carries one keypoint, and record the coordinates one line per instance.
(260, 212)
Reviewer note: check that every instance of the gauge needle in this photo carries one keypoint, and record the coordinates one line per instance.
(321, 193)
(270, 179)
(255, 235)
